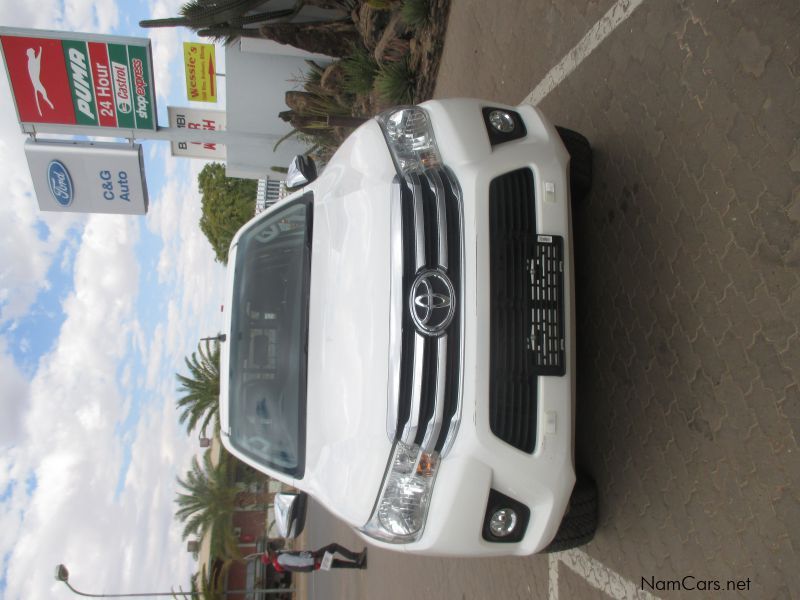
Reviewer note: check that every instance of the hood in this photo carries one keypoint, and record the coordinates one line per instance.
(347, 447)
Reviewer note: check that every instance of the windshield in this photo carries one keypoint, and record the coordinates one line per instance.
(269, 318)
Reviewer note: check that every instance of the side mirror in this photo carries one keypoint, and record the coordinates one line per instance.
(290, 514)
(302, 170)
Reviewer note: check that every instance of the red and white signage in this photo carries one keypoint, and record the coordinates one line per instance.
(197, 119)
(38, 74)
(80, 79)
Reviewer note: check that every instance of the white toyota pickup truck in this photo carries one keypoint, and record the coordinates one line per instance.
(400, 338)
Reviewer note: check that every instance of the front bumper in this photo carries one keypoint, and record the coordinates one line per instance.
(479, 461)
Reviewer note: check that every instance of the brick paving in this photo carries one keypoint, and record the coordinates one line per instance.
(687, 257)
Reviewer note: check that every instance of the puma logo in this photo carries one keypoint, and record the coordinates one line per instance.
(34, 72)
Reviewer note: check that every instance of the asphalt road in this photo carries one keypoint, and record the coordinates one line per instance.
(687, 257)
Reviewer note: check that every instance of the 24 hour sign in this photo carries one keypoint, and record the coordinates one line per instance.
(78, 79)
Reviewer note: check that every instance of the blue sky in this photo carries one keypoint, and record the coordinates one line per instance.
(34, 333)
(97, 313)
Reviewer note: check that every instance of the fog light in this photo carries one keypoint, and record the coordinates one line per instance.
(501, 121)
(503, 522)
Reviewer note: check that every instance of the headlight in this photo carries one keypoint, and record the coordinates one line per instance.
(410, 138)
(402, 506)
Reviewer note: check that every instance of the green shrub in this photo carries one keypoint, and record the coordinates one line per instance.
(415, 13)
(312, 77)
(395, 82)
(321, 103)
(360, 70)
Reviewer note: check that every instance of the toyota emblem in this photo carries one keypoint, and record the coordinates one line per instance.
(432, 302)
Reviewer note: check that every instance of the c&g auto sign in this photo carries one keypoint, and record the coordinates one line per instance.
(89, 177)
(80, 79)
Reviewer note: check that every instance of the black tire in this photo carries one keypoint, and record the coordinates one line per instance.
(580, 162)
(580, 521)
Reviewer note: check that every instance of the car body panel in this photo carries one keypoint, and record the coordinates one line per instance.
(349, 338)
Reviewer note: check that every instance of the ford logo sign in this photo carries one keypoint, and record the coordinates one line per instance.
(60, 183)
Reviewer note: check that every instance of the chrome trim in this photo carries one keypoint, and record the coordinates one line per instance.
(419, 221)
(437, 187)
(395, 307)
(435, 424)
(455, 422)
(411, 426)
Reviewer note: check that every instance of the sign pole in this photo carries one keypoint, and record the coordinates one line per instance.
(172, 134)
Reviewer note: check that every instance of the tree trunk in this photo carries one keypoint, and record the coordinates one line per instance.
(312, 124)
(329, 4)
(299, 101)
(267, 16)
(232, 12)
(168, 22)
(222, 12)
(229, 34)
(253, 501)
(334, 38)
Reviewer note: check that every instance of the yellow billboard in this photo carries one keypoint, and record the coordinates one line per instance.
(201, 76)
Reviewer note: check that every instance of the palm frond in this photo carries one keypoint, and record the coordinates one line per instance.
(205, 498)
(200, 388)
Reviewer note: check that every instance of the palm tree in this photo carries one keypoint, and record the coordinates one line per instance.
(200, 402)
(198, 14)
(231, 19)
(207, 502)
(222, 18)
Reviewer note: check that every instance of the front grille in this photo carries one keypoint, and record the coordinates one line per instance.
(526, 313)
(425, 378)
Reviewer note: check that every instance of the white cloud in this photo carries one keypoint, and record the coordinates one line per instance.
(78, 379)
(77, 400)
(186, 258)
(26, 253)
(73, 515)
(63, 450)
(99, 16)
(44, 14)
(13, 399)
(155, 358)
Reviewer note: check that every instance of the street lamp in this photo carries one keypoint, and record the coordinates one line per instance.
(62, 574)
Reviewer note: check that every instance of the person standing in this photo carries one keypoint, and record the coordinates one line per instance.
(307, 560)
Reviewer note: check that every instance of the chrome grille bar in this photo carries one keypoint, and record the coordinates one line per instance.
(436, 185)
(395, 307)
(424, 379)
(411, 426)
(434, 425)
(447, 438)
(419, 223)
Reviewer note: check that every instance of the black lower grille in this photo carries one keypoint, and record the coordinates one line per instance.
(526, 322)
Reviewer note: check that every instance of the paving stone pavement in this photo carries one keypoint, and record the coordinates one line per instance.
(687, 256)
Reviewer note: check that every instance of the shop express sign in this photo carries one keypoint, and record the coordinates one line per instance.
(80, 79)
